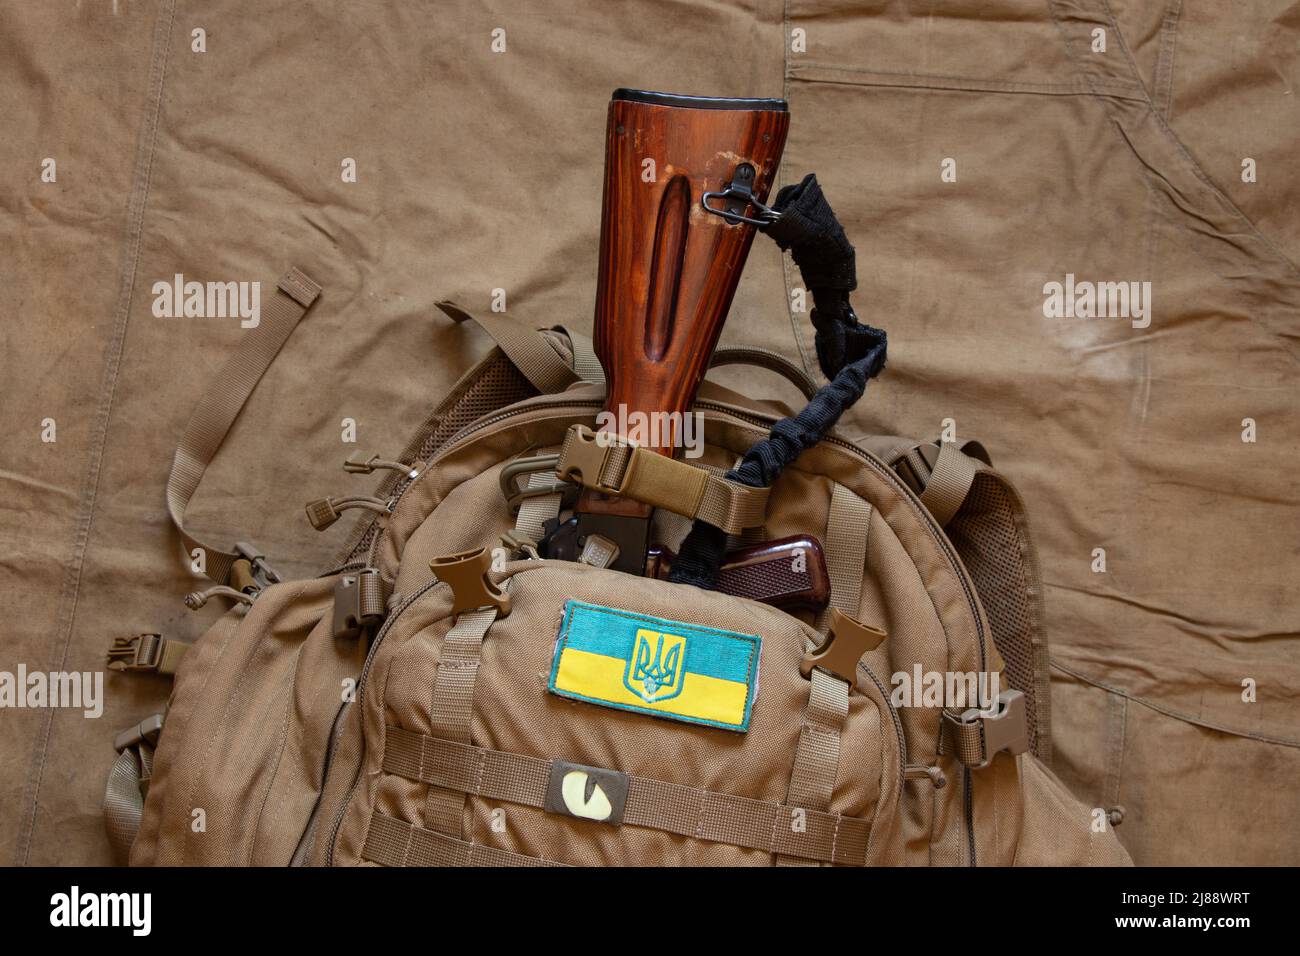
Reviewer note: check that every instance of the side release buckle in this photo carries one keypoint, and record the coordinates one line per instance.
(146, 731)
(141, 652)
(586, 456)
(553, 484)
(145, 654)
(846, 641)
(466, 573)
(263, 573)
(358, 602)
(980, 735)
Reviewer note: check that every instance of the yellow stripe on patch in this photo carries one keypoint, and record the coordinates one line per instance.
(597, 677)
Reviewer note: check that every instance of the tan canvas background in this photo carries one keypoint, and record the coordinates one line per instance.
(481, 170)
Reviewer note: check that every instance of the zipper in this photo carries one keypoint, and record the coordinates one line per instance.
(878, 466)
(302, 850)
(970, 813)
(897, 721)
(753, 418)
(361, 692)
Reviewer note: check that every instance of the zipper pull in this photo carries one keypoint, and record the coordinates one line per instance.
(933, 774)
(323, 512)
(364, 463)
(196, 599)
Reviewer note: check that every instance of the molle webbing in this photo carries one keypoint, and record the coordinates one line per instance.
(817, 758)
(452, 706)
(393, 843)
(686, 811)
(848, 522)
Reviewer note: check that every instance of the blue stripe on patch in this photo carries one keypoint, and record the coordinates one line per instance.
(588, 629)
(655, 666)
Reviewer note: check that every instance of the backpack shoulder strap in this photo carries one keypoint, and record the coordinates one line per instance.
(984, 517)
(941, 473)
(216, 413)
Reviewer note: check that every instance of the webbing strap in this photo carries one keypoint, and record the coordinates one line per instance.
(796, 830)
(845, 544)
(525, 347)
(817, 757)
(949, 483)
(392, 842)
(964, 740)
(941, 473)
(128, 781)
(221, 405)
(452, 706)
(585, 362)
(536, 511)
(128, 784)
(609, 464)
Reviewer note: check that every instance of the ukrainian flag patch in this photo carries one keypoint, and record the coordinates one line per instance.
(651, 665)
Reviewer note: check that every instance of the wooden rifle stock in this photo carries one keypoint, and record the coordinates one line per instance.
(668, 266)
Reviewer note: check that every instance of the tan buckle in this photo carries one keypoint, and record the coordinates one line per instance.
(146, 731)
(358, 602)
(1008, 729)
(143, 652)
(263, 573)
(241, 577)
(516, 495)
(466, 574)
(514, 540)
(846, 641)
(585, 456)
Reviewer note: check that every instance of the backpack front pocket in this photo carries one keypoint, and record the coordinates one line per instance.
(609, 719)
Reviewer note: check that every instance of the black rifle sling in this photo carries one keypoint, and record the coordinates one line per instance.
(849, 353)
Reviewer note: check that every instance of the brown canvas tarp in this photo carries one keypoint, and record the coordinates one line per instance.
(480, 170)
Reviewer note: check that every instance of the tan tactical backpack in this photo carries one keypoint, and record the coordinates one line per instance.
(426, 704)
